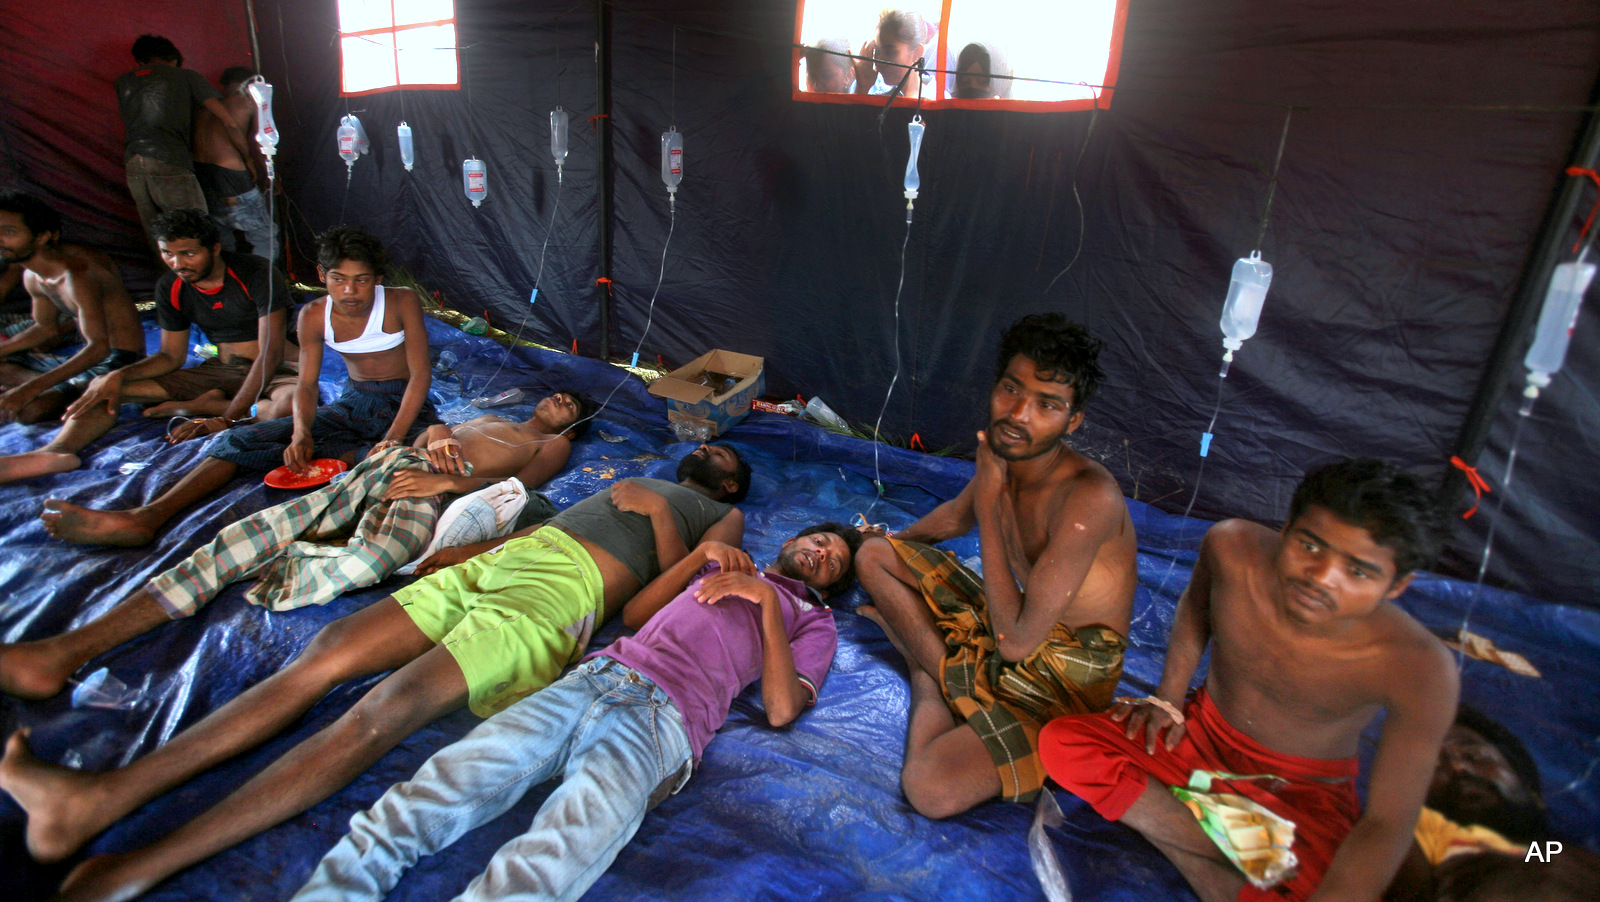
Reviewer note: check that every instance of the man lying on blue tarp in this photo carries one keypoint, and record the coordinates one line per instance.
(622, 730)
(485, 633)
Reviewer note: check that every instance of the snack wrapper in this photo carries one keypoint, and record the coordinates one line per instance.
(1256, 840)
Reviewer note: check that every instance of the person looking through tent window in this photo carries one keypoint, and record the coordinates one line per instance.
(228, 178)
(379, 333)
(622, 731)
(992, 659)
(484, 633)
(159, 101)
(829, 69)
(976, 68)
(902, 39)
(76, 292)
(231, 301)
(1307, 647)
(345, 536)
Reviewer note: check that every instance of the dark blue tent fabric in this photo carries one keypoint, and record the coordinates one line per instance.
(813, 811)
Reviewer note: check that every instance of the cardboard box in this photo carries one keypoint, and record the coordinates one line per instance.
(698, 406)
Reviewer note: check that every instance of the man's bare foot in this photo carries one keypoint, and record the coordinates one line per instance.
(83, 526)
(29, 464)
(211, 404)
(107, 878)
(28, 671)
(62, 804)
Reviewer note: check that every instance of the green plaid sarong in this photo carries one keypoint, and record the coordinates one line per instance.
(1071, 672)
(312, 549)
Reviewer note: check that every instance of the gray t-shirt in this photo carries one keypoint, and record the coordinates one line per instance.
(158, 103)
(629, 537)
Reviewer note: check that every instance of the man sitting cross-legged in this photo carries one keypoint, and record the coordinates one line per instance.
(1307, 648)
(993, 661)
(484, 633)
(380, 334)
(77, 293)
(387, 505)
(230, 298)
(622, 731)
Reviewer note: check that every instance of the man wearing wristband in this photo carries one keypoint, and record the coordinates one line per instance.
(380, 335)
(229, 297)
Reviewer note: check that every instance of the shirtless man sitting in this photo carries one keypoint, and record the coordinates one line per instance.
(380, 334)
(232, 301)
(1307, 648)
(72, 287)
(390, 506)
(483, 633)
(990, 663)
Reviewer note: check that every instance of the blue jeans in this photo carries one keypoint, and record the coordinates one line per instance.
(248, 214)
(613, 736)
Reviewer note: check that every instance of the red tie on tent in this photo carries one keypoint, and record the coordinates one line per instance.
(1479, 484)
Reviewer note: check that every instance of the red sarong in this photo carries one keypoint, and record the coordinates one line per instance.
(1091, 756)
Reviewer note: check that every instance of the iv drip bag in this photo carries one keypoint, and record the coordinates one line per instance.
(1562, 301)
(260, 94)
(475, 180)
(1247, 292)
(348, 142)
(363, 146)
(408, 150)
(671, 159)
(913, 180)
(558, 138)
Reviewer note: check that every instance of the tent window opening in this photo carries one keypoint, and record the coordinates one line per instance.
(389, 44)
(1008, 54)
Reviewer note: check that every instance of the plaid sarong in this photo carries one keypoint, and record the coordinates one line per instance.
(305, 550)
(1071, 672)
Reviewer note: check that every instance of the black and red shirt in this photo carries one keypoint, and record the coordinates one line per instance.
(228, 313)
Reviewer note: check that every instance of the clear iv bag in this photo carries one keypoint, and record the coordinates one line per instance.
(558, 138)
(1247, 292)
(913, 180)
(671, 159)
(1562, 301)
(475, 180)
(408, 150)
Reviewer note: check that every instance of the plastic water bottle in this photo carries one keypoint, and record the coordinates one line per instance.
(1247, 292)
(558, 139)
(266, 130)
(672, 160)
(447, 362)
(408, 150)
(1562, 301)
(348, 143)
(475, 180)
(913, 180)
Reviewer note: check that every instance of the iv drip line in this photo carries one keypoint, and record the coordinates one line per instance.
(1077, 199)
(877, 433)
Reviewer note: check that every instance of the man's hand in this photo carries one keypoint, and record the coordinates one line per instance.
(748, 586)
(381, 447)
(300, 453)
(629, 496)
(103, 389)
(1151, 720)
(12, 402)
(418, 484)
(445, 455)
(729, 558)
(197, 428)
(444, 557)
(991, 476)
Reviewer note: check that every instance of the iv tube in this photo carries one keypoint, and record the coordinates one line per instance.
(913, 180)
(266, 130)
(408, 150)
(558, 138)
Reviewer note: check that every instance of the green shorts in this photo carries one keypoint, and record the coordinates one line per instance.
(513, 618)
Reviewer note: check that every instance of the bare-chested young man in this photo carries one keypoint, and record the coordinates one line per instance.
(1307, 647)
(991, 662)
(73, 289)
(380, 334)
(388, 506)
(483, 633)
(227, 176)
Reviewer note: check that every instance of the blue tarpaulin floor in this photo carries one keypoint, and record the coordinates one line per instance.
(813, 811)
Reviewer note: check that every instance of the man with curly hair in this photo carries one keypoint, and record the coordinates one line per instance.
(992, 662)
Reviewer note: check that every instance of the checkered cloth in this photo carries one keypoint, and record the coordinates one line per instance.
(312, 549)
(1007, 703)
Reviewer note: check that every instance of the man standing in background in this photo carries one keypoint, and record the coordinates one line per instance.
(158, 101)
(227, 177)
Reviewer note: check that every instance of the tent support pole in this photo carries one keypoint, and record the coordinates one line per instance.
(602, 70)
(255, 43)
(1548, 250)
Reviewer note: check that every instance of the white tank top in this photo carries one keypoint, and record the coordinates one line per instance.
(372, 339)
